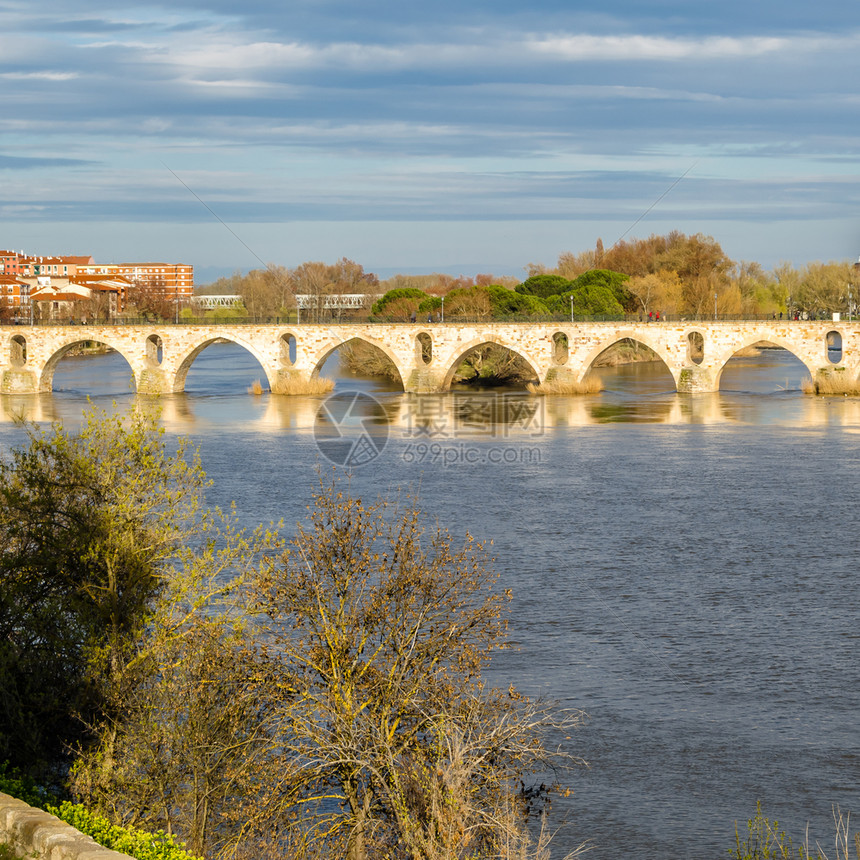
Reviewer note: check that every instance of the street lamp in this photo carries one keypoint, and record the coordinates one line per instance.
(850, 302)
(571, 307)
(789, 306)
(715, 306)
(443, 308)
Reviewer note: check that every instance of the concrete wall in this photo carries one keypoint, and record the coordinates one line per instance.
(34, 833)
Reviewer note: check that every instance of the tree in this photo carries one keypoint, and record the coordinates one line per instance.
(661, 291)
(151, 298)
(186, 745)
(398, 304)
(613, 281)
(392, 746)
(543, 286)
(823, 288)
(87, 522)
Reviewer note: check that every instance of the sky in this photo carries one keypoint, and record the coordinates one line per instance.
(462, 137)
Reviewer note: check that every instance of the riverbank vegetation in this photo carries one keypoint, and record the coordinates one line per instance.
(673, 275)
(835, 383)
(252, 694)
(764, 839)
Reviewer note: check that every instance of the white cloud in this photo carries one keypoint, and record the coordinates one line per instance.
(39, 76)
(636, 47)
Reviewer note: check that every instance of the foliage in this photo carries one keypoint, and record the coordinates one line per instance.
(765, 841)
(17, 784)
(613, 281)
(491, 364)
(87, 522)
(126, 840)
(391, 745)
(543, 285)
(398, 304)
(505, 302)
(471, 303)
(144, 846)
(589, 300)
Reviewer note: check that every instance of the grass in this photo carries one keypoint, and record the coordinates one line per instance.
(765, 841)
(589, 385)
(314, 385)
(7, 852)
(255, 387)
(835, 382)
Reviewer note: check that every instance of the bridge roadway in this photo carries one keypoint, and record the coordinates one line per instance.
(426, 356)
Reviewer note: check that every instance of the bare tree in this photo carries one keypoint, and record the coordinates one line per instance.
(392, 747)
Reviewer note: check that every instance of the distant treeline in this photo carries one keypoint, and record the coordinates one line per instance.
(672, 275)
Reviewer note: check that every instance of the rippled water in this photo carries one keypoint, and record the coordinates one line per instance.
(683, 568)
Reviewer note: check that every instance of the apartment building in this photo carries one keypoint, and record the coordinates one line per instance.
(9, 264)
(14, 295)
(175, 280)
(57, 267)
(171, 283)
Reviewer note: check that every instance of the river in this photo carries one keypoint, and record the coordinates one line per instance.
(684, 568)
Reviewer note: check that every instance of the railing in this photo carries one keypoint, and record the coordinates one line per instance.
(631, 319)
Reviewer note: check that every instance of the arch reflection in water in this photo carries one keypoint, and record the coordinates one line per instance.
(763, 368)
(762, 391)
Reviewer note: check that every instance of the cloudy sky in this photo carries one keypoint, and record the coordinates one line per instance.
(461, 135)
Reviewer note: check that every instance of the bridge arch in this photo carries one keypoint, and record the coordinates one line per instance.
(17, 350)
(288, 345)
(78, 337)
(751, 340)
(323, 354)
(423, 348)
(186, 361)
(486, 340)
(636, 337)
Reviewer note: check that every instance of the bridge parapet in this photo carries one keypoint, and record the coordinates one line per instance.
(425, 355)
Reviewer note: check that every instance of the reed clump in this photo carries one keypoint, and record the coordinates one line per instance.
(836, 382)
(314, 385)
(589, 385)
(255, 387)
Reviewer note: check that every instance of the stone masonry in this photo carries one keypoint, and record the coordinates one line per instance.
(34, 833)
(426, 356)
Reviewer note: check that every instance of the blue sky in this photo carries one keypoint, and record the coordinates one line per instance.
(459, 136)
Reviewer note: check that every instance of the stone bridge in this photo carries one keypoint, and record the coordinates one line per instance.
(426, 356)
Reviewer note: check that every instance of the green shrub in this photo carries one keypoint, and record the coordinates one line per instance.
(22, 787)
(126, 840)
(399, 301)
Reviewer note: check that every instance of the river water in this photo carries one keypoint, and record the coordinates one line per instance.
(684, 568)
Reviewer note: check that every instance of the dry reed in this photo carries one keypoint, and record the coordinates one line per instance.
(314, 385)
(589, 385)
(833, 382)
(255, 387)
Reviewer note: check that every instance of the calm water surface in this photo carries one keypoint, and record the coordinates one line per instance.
(684, 569)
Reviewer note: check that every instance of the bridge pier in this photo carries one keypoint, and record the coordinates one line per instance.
(423, 380)
(17, 381)
(694, 380)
